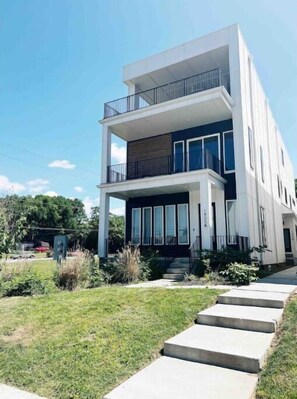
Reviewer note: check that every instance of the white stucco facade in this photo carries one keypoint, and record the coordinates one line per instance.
(265, 193)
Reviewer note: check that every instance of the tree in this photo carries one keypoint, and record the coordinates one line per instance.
(296, 188)
(116, 232)
(13, 223)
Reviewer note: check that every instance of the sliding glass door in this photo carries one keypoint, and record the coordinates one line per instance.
(195, 160)
(203, 153)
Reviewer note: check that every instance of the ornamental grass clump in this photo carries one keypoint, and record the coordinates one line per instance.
(128, 266)
(73, 272)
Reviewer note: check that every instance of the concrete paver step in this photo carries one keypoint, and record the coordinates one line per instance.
(7, 392)
(224, 347)
(173, 276)
(254, 298)
(169, 378)
(285, 288)
(250, 318)
(177, 270)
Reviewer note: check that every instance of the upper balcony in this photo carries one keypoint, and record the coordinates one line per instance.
(173, 90)
(169, 165)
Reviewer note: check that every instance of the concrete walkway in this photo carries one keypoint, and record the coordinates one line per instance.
(173, 284)
(220, 356)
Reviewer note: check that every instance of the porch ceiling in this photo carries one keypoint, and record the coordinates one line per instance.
(149, 186)
(197, 109)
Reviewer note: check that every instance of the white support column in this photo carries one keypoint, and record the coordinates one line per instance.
(106, 152)
(194, 217)
(220, 215)
(206, 213)
(103, 224)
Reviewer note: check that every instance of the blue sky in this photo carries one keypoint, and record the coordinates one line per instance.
(62, 59)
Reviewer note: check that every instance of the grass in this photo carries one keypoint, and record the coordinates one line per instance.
(43, 267)
(81, 345)
(279, 378)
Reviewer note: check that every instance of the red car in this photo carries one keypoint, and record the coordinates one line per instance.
(41, 249)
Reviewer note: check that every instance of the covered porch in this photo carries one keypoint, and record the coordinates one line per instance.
(172, 214)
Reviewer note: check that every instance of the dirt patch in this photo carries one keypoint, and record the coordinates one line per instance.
(21, 335)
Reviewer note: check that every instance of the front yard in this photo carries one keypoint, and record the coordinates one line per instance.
(79, 345)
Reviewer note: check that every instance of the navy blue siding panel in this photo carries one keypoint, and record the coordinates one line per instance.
(212, 128)
(199, 131)
(230, 186)
(165, 199)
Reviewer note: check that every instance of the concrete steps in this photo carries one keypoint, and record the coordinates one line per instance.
(180, 270)
(234, 349)
(177, 268)
(219, 357)
(173, 276)
(250, 318)
(168, 378)
(254, 298)
(269, 287)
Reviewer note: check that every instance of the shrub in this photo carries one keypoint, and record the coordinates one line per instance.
(154, 266)
(127, 266)
(240, 273)
(96, 276)
(24, 281)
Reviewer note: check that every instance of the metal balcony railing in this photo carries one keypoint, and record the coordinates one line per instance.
(178, 163)
(180, 88)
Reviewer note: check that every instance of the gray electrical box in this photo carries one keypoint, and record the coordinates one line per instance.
(60, 247)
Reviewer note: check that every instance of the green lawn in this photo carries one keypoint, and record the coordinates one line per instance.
(82, 344)
(279, 378)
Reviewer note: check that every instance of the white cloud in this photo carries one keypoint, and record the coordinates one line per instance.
(118, 154)
(12, 187)
(118, 211)
(78, 189)
(89, 203)
(37, 186)
(38, 182)
(64, 164)
(51, 194)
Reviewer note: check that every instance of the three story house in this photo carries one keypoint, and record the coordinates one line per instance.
(206, 165)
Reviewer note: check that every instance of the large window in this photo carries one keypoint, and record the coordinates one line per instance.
(136, 226)
(179, 162)
(251, 148)
(229, 160)
(231, 221)
(183, 224)
(203, 153)
(262, 164)
(147, 226)
(170, 224)
(158, 226)
(263, 225)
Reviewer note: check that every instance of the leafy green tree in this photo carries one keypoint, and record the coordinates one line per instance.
(116, 232)
(13, 223)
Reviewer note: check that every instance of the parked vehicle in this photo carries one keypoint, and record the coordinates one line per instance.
(41, 249)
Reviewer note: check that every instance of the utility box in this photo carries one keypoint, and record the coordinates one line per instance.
(60, 247)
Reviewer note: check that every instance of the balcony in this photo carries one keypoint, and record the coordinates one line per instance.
(172, 164)
(180, 88)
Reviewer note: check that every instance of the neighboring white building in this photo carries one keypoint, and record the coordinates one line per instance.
(206, 164)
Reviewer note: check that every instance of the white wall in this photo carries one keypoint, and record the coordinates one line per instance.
(253, 111)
